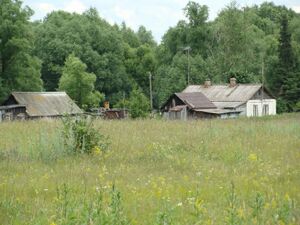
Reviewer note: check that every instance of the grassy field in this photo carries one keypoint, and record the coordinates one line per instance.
(244, 171)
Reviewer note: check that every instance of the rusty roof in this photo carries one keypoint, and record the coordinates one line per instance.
(46, 103)
(225, 93)
(196, 100)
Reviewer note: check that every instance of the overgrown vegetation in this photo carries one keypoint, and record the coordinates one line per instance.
(243, 171)
(80, 136)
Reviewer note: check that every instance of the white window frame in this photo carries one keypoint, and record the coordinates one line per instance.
(255, 110)
(266, 109)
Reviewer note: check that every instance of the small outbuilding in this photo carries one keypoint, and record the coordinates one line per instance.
(31, 105)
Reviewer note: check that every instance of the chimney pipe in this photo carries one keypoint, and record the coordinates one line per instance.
(232, 82)
(207, 83)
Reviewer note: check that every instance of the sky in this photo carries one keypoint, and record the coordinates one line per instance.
(155, 15)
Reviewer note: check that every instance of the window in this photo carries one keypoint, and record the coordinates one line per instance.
(255, 110)
(265, 110)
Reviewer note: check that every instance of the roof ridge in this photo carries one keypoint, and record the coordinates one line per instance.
(41, 92)
(248, 84)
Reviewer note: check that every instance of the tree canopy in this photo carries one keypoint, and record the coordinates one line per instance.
(260, 43)
(79, 84)
(20, 69)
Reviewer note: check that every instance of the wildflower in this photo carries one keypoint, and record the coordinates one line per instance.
(52, 223)
(191, 200)
(287, 197)
(179, 204)
(96, 150)
(252, 157)
(199, 205)
(240, 212)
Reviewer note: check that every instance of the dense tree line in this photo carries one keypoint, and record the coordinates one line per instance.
(94, 60)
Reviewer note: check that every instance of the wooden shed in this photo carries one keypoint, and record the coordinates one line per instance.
(30, 105)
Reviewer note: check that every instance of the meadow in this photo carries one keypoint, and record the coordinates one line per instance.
(242, 171)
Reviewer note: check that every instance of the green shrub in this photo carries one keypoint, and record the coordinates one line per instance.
(81, 137)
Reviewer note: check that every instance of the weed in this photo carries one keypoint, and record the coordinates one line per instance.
(232, 217)
(81, 137)
(257, 208)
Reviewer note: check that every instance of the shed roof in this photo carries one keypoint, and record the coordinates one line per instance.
(195, 100)
(218, 111)
(225, 93)
(5, 107)
(46, 103)
(228, 105)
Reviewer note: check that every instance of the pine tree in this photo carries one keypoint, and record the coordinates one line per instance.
(287, 77)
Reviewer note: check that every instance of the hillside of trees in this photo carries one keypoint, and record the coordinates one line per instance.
(65, 51)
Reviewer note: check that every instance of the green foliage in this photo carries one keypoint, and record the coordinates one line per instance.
(286, 80)
(139, 104)
(108, 51)
(19, 68)
(232, 217)
(145, 37)
(88, 211)
(79, 84)
(81, 137)
(258, 207)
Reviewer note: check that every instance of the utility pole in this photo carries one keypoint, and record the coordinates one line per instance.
(188, 49)
(262, 86)
(150, 87)
(124, 104)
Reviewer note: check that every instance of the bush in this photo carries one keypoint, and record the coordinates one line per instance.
(139, 104)
(81, 137)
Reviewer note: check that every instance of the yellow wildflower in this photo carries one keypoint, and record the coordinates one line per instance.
(199, 205)
(241, 213)
(287, 197)
(252, 157)
(96, 150)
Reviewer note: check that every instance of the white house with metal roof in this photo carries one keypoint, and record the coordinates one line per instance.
(194, 105)
(249, 99)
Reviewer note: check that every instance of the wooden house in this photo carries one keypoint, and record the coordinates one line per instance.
(30, 105)
(249, 99)
(193, 105)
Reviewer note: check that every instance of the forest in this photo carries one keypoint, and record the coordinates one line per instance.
(94, 61)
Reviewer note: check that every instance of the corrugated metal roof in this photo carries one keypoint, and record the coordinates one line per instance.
(225, 93)
(217, 111)
(46, 103)
(195, 100)
(223, 105)
(11, 106)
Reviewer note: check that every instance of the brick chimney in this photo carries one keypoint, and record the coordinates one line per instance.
(232, 82)
(207, 83)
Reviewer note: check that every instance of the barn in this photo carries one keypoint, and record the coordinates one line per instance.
(31, 105)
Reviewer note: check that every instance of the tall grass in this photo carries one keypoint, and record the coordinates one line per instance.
(243, 171)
